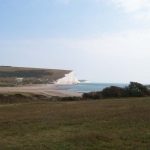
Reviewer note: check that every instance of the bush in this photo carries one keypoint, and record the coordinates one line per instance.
(92, 95)
(137, 89)
(113, 92)
(70, 98)
(133, 90)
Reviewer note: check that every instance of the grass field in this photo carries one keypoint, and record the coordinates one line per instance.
(117, 124)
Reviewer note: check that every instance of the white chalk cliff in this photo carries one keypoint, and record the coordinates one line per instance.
(69, 78)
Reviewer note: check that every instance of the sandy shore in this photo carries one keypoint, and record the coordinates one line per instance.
(47, 89)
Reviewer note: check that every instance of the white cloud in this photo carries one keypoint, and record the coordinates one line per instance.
(131, 5)
(140, 9)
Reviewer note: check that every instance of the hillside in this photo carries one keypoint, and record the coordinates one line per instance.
(11, 76)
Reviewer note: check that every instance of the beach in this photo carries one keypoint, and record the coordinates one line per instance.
(43, 89)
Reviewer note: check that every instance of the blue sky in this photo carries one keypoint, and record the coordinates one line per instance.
(101, 40)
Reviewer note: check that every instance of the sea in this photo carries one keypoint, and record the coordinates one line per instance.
(89, 87)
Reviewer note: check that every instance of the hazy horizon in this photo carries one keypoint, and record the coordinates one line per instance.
(102, 41)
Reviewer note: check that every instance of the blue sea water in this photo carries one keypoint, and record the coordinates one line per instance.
(89, 87)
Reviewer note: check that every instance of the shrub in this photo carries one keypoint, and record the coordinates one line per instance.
(113, 91)
(70, 98)
(137, 89)
(133, 90)
(92, 95)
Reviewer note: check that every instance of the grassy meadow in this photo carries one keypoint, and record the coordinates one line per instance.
(116, 124)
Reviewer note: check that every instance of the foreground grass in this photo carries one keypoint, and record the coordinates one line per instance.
(83, 125)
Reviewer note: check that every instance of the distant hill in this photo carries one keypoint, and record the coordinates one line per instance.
(12, 76)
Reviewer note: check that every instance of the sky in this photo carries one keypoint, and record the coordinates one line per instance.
(101, 40)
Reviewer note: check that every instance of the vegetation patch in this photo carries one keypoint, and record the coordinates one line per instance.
(133, 90)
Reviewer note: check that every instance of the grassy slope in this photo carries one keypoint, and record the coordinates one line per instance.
(8, 74)
(83, 125)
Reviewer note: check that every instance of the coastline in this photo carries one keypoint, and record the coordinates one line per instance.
(42, 89)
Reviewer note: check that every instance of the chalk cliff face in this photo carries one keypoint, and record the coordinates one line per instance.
(12, 76)
(69, 78)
